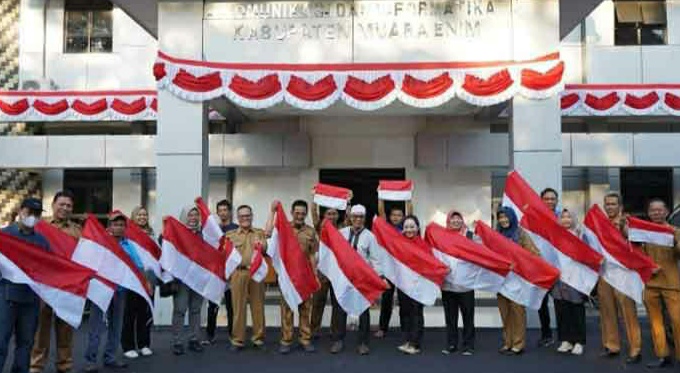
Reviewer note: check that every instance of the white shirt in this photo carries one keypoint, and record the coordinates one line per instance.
(367, 246)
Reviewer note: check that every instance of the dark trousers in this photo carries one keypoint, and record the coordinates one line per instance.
(465, 303)
(213, 309)
(414, 320)
(571, 321)
(340, 320)
(544, 316)
(136, 323)
(20, 319)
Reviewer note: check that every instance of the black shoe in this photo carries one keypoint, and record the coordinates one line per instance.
(546, 342)
(337, 347)
(516, 352)
(634, 359)
(608, 353)
(661, 363)
(178, 349)
(260, 346)
(284, 349)
(450, 350)
(235, 348)
(195, 346)
(116, 365)
(503, 350)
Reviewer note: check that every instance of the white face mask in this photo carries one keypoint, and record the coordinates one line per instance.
(29, 221)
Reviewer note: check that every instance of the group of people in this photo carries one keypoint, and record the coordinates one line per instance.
(128, 319)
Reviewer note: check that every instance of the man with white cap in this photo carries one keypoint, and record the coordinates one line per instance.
(362, 240)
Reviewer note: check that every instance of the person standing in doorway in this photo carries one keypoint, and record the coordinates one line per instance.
(550, 198)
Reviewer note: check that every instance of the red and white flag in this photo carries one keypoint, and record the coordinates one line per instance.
(395, 190)
(531, 276)
(625, 268)
(193, 261)
(296, 277)
(148, 249)
(355, 284)
(101, 290)
(98, 250)
(59, 282)
(473, 266)
(331, 196)
(258, 266)
(409, 264)
(645, 231)
(210, 224)
(518, 194)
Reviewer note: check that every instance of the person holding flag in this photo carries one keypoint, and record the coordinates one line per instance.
(550, 198)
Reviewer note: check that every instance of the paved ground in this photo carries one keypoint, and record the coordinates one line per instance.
(384, 357)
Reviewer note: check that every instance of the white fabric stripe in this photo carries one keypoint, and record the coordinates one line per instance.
(100, 294)
(233, 261)
(657, 238)
(350, 299)
(288, 291)
(193, 275)
(572, 273)
(212, 232)
(67, 306)
(150, 263)
(395, 195)
(465, 276)
(261, 272)
(508, 202)
(330, 202)
(523, 292)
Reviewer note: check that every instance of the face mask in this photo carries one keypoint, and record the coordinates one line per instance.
(29, 221)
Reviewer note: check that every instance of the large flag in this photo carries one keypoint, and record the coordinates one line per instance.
(98, 250)
(331, 196)
(531, 277)
(296, 277)
(101, 290)
(473, 266)
(60, 283)
(212, 233)
(395, 190)
(355, 284)
(148, 249)
(409, 264)
(579, 265)
(194, 262)
(258, 266)
(625, 268)
(645, 231)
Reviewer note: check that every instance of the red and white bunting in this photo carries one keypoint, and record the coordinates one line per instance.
(363, 86)
(645, 231)
(258, 266)
(621, 100)
(331, 196)
(395, 190)
(212, 233)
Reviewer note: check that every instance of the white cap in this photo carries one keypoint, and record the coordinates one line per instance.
(358, 210)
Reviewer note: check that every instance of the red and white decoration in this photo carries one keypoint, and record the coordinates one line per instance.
(354, 282)
(531, 276)
(645, 231)
(331, 196)
(620, 99)
(473, 266)
(210, 225)
(363, 86)
(296, 277)
(60, 283)
(409, 264)
(395, 190)
(148, 249)
(258, 266)
(82, 106)
(625, 268)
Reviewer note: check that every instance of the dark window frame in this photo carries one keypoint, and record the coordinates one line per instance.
(639, 30)
(92, 8)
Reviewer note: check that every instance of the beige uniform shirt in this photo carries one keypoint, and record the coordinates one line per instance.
(668, 278)
(244, 241)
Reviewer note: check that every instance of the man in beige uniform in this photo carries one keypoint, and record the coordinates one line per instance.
(244, 290)
(612, 302)
(62, 207)
(309, 242)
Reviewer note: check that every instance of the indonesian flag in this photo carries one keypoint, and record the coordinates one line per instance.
(473, 266)
(98, 250)
(531, 276)
(296, 277)
(59, 282)
(579, 265)
(209, 224)
(101, 290)
(409, 263)
(395, 190)
(356, 285)
(193, 261)
(645, 231)
(625, 268)
(148, 249)
(331, 196)
(258, 266)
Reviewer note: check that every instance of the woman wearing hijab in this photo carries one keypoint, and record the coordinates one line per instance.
(456, 299)
(513, 315)
(569, 303)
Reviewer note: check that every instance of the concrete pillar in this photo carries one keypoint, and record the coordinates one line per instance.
(676, 183)
(52, 182)
(535, 128)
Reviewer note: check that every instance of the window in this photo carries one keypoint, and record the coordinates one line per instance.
(93, 191)
(88, 26)
(640, 22)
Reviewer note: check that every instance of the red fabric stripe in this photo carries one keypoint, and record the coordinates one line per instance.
(202, 209)
(352, 265)
(90, 109)
(364, 91)
(569, 100)
(159, 71)
(193, 247)
(154, 105)
(134, 233)
(672, 101)
(538, 81)
(61, 243)
(602, 103)
(260, 90)
(529, 266)
(193, 83)
(617, 246)
(491, 86)
(426, 89)
(257, 260)
(318, 91)
(395, 185)
(636, 223)
(51, 109)
(331, 191)
(642, 102)
(134, 107)
(17, 108)
(522, 195)
(459, 246)
(415, 254)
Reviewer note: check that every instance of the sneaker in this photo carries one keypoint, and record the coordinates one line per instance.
(516, 352)
(380, 334)
(178, 349)
(132, 354)
(661, 363)
(337, 347)
(363, 350)
(195, 346)
(403, 347)
(447, 351)
(503, 350)
(608, 353)
(412, 350)
(284, 349)
(577, 350)
(565, 347)
(546, 342)
(309, 348)
(468, 352)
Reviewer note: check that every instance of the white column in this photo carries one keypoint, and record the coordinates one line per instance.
(52, 182)
(535, 129)
(676, 184)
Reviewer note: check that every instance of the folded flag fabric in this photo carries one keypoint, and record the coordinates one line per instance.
(518, 194)
(331, 196)
(395, 190)
(210, 224)
(258, 266)
(355, 284)
(148, 249)
(645, 231)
